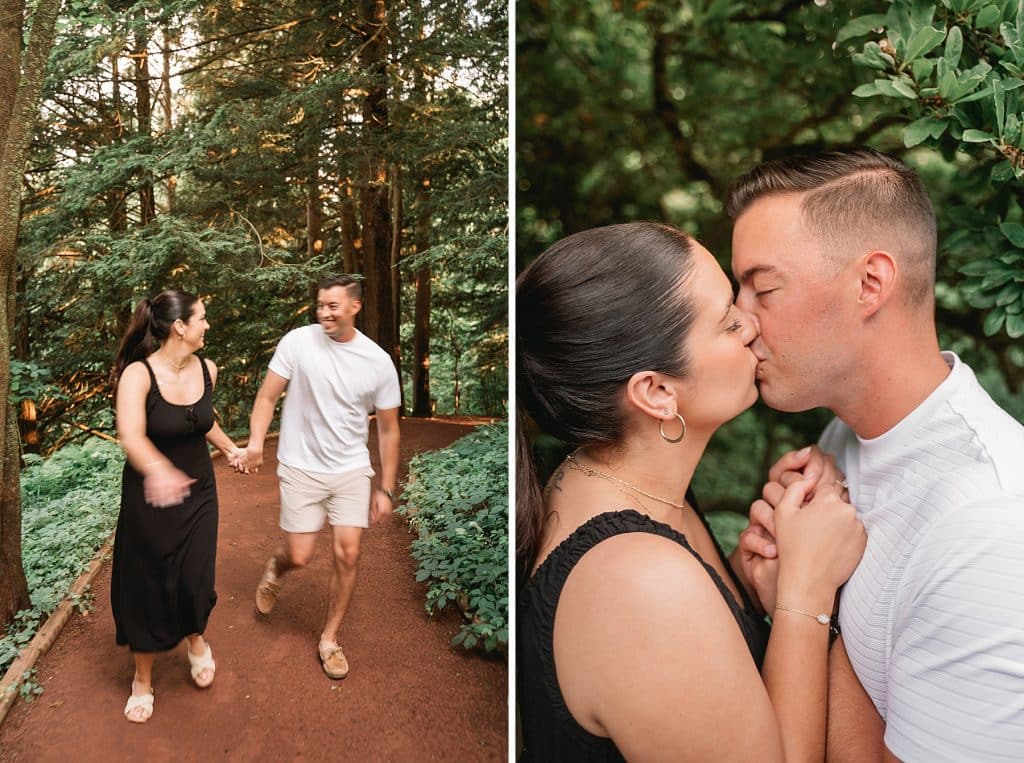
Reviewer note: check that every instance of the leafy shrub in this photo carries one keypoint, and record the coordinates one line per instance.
(456, 499)
(955, 70)
(69, 507)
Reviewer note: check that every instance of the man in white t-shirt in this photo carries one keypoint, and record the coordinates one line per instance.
(335, 377)
(835, 256)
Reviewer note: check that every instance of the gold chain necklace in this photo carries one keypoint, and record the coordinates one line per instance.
(175, 368)
(592, 472)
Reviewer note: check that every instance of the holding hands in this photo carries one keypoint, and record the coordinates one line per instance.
(804, 516)
(236, 460)
(252, 458)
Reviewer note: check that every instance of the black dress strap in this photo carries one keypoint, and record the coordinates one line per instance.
(152, 376)
(207, 380)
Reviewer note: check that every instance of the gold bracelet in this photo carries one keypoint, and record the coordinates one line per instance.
(821, 617)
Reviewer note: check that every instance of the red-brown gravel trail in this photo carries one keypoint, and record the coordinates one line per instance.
(410, 696)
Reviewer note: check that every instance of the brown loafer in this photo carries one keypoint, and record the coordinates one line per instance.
(268, 589)
(333, 661)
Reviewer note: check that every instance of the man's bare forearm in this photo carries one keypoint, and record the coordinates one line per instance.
(855, 729)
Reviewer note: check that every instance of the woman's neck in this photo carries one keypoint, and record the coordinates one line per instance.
(175, 357)
(658, 472)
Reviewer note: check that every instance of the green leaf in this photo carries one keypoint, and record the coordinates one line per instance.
(1015, 325)
(979, 267)
(977, 96)
(922, 41)
(987, 16)
(947, 83)
(860, 26)
(1011, 292)
(923, 68)
(1012, 130)
(904, 88)
(977, 136)
(1002, 172)
(1012, 39)
(954, 47)
(918, 131)
(993, 321)
(886, 87)
(996, 279)
(999, 96)
(1014, 233)
(866, 90)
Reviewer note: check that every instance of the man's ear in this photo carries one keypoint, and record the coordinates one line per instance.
(878, 279)
(357, 305)
(647, 392)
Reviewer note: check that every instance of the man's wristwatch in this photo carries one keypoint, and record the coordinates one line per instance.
(389, 493)
(834, 630)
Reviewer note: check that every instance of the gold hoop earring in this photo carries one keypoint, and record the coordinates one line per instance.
(666, 438)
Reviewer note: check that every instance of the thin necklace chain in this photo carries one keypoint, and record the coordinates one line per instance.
(590, 471)
(180, 368)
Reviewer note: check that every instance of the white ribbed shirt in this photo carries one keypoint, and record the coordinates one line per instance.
(933, 617)
(332, 387)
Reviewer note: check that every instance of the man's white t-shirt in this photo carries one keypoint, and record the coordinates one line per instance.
(933, 617)
(332, 389)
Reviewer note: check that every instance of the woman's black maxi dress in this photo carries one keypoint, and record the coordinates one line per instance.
(161, 588)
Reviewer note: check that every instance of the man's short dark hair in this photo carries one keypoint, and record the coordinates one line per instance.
(853, 196)
(353, 285)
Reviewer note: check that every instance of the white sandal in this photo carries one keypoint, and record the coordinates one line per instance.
(199, 663)
(145, 701)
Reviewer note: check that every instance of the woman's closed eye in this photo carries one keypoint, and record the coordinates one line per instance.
(734, 326)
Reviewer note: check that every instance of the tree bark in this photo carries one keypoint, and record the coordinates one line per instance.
(21, 84)
(421, 317)
(144, 117)
(381, 323)
(349, 234)
(167, 103)
(116, 199)
(314, 213)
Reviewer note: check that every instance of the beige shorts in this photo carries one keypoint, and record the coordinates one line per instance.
(308, 497)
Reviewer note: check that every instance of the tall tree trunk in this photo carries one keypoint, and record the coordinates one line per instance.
(314, 213)
(380, 321)
(350, 260)
(116, 198)
(167, 103)
(144, 116)
(421, 319)
(396, 281)
(21, 83)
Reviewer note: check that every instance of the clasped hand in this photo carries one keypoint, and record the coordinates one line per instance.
(805, 517)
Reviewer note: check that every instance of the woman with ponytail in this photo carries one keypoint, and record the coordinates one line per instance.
(637, 638)
(162, 583)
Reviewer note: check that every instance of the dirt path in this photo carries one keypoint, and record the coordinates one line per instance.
(409, 697)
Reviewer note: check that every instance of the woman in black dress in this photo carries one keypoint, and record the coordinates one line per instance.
(637, 637)
(162, 584)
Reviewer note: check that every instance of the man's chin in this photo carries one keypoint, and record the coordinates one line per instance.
(780, 401)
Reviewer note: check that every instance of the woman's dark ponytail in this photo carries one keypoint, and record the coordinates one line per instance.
(529, 500)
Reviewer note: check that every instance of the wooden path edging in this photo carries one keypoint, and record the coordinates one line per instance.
(46, 635)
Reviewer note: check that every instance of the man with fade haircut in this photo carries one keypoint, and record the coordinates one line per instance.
(335, 377)
(835, 256)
